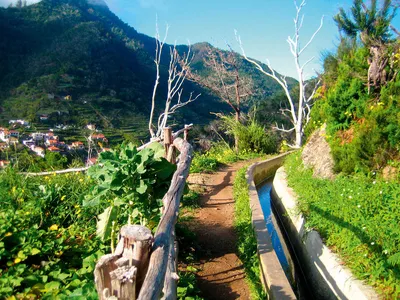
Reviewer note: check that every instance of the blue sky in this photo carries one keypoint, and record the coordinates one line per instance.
(263, 25)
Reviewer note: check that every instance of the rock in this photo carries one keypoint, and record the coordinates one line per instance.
(390, 173)
(317, 155)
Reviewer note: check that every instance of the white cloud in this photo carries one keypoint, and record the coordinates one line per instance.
(6, 3)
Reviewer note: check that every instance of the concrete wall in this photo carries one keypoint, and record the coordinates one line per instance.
(273, 276)
(323, 269)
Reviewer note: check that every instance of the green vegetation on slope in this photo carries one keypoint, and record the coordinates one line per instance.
(358, 218)
(360, 98)
(55, 49)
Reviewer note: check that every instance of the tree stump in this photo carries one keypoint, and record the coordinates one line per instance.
(120, 275)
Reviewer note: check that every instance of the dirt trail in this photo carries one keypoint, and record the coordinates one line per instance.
(221, 274)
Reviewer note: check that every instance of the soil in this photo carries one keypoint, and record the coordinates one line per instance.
(221, 274)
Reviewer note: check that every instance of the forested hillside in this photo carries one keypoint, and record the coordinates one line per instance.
(360, 97)
(83, 64)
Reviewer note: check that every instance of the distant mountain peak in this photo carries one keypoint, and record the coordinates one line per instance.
(97, 2)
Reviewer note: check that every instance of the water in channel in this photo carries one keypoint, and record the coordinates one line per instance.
(264, 195)
(281, 243)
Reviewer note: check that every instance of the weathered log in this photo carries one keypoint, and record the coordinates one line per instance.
(171, 156)
(171, 277)
(153, 283)
(186, 133)
(121, 274)
(83, 169)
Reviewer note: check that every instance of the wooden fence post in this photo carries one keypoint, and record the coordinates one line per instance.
(168, 145)
(167, 140)
(186, 133)
(121, 274)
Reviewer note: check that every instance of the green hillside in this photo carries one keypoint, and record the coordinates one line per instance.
(60, 48)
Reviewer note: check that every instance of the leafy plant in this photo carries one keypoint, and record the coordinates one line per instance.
(48, 247)
(251, 135)
(132, 183)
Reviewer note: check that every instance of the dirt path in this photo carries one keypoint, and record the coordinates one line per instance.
(221, 274)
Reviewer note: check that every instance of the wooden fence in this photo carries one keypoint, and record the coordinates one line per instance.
(142, 266)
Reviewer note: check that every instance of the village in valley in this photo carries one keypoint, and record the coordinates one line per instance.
(19, 136)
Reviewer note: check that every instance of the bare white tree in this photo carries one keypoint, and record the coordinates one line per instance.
(298, 113)
(179, 69)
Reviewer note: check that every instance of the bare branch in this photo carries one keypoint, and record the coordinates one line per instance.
(299, 112)
(178, 71)
(306, 63)
(283, 129)
(271, 74)
(313, 36)
(157, 60)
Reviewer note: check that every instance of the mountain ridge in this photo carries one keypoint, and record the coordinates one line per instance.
(81, 49)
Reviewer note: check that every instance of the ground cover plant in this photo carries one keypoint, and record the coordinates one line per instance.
(48, 244)
(358, 217)
(50, 238)
(247, 243)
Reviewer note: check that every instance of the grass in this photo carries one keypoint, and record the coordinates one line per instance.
(358, 217)
(187, 239)
(217, 156)
(247, 243)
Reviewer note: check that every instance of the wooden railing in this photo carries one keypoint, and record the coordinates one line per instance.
(142, 266)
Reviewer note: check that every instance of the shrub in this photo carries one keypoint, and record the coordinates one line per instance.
(251, 135)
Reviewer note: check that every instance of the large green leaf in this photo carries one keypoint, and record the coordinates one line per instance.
(104, 223)
(158, 150)
(116, 182)
(94, 200)
(164, 169)
(142, 188)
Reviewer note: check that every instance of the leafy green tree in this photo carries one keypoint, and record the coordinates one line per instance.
(370, 24)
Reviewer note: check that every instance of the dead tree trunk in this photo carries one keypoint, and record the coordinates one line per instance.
(121, 274)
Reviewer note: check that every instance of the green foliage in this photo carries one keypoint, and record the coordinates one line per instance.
(251, 135)
(49, 242)
(247, 242)
(48, 247)
(369, 23)
(204, 163)
(358, 218)
(362, 127)
(55, 160)
(187, 285)
(190, 199)
(132, 184)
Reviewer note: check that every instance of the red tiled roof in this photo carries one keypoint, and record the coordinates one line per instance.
(52, 148)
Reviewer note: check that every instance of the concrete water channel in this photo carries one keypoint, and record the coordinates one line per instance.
(295, 264)
(281, 243)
